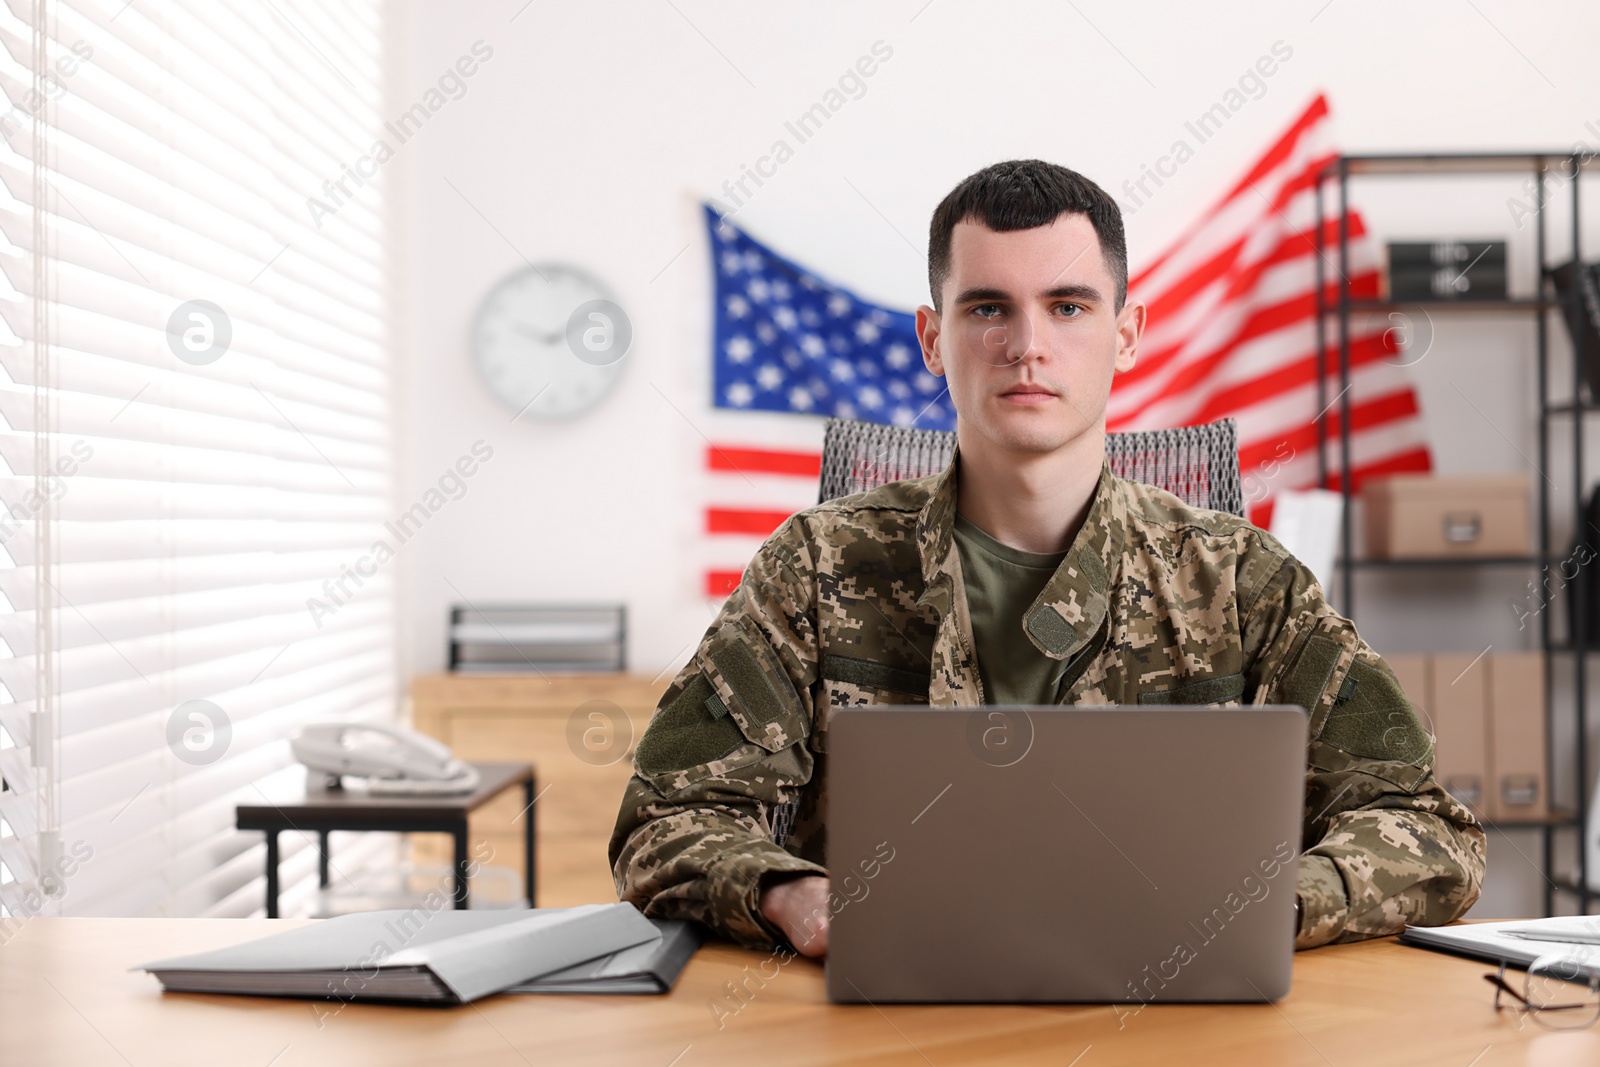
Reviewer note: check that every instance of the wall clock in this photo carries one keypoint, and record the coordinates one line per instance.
(549, 341)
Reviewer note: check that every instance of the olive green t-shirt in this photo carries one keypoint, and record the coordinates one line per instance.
(1002, 583)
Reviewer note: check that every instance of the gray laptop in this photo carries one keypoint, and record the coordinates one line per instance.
(1008, 854)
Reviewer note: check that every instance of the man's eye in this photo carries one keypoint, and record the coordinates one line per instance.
(987, 311)
(1070, 311)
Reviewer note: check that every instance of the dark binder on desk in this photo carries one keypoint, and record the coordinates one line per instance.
(443, 957)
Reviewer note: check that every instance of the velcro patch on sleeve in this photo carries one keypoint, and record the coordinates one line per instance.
(686, 733)
(1311, 672)
(1376, 720)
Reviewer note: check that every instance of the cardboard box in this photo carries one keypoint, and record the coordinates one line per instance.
(1517, 736)
(1419, 515)
(1459, 697)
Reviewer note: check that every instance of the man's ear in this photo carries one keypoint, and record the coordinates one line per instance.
(1130, 327)
(928, 335)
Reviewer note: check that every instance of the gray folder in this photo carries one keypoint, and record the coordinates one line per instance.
(652, 967)
(416, 955)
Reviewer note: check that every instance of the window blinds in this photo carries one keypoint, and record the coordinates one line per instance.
(194, 437)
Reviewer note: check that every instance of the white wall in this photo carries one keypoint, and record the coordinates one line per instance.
(593, 130)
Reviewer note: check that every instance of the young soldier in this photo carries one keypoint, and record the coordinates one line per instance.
(1024, 573)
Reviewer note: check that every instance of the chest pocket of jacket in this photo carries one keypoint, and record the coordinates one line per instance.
(1224, 689)
(850, 682)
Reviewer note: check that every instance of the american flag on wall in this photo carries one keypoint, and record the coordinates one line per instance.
(1232, 333)
(787, 340)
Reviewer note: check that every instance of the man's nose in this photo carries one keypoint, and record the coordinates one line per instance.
(1029, 343)
(1012, 341)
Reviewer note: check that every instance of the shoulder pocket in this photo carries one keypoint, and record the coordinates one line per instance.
(737, 710)
(753, 687)
(1312, 671)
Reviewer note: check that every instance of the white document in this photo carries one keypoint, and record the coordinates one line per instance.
(1518, 942)
(1307, 522)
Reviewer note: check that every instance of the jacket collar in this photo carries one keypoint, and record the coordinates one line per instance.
(1073, 603)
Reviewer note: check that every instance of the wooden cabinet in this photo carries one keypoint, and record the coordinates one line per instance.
(578, 731)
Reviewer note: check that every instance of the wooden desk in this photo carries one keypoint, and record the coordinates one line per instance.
(322, 810)
(67, 998)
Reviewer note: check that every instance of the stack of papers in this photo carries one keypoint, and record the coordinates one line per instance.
(446, 957)
(1517, 943)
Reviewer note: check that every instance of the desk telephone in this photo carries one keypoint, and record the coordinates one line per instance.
(393, 761)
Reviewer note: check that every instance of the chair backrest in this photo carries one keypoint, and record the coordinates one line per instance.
(1197, 464)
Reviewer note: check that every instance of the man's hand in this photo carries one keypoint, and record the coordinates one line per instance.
(799, 907)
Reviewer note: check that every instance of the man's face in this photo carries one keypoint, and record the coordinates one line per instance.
(1028, 339)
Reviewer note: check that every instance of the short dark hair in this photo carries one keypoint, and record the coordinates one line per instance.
(1020, 194)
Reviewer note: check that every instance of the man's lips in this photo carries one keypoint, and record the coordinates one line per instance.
(1028, 394)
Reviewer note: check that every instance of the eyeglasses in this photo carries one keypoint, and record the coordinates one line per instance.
(1560, 991)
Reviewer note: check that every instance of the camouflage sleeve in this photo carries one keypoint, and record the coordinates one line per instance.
(1383, 844)
(724, 752)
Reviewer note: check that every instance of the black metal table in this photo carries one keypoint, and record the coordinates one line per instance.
(323, 810)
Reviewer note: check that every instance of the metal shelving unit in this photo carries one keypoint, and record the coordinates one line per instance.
(1539, 165)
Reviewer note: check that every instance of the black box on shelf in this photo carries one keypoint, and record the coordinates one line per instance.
(1582, 315)
(1582, 566)
(1447, 270)
(1410, 255)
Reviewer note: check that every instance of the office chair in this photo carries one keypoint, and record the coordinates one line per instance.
(1198, 464)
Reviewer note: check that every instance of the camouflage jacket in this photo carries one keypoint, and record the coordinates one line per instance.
(860, 601)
